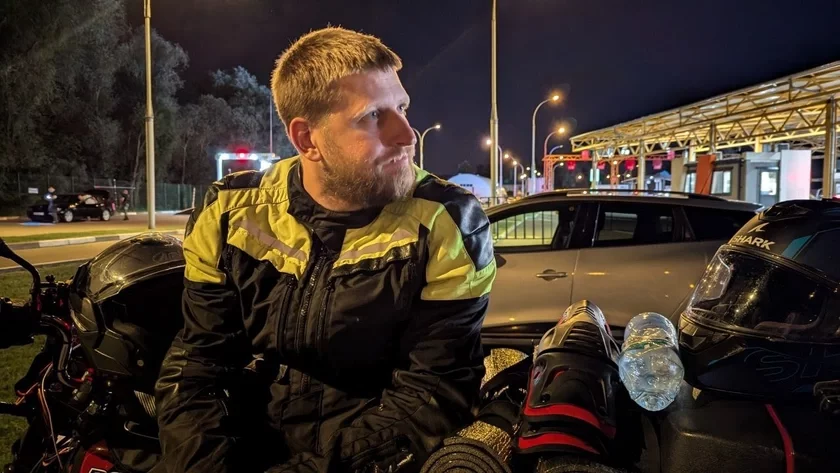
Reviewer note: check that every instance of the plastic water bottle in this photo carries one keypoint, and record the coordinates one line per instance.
(649, 364)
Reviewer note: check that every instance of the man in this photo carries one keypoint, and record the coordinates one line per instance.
(124, 204)
(51, 208)
(350, 283)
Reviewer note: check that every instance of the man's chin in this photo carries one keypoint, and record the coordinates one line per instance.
(394, 188)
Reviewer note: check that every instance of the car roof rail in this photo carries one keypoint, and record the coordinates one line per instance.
(580, 191)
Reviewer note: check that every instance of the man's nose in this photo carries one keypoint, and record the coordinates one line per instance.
(398, 132)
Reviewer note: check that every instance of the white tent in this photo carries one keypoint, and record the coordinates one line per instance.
(478, 185)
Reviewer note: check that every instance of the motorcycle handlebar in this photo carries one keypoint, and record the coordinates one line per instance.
(20, 322)
(7, 252)
(19, 326)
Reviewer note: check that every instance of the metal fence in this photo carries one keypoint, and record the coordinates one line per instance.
(20, 190)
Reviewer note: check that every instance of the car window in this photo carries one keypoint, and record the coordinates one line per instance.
(622, 224)
(716, 224)
(535, 229)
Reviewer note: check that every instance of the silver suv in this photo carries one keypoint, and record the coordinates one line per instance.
(627, 251)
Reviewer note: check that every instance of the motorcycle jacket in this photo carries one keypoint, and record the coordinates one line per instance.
(322, 340)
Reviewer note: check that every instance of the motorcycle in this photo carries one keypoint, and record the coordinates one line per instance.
(87, 396)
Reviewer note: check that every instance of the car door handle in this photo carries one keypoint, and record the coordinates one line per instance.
(550, 275)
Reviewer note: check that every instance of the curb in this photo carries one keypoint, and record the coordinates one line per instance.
(29, 245)
(13, 269)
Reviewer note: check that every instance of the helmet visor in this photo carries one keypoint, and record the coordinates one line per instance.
(750, 294)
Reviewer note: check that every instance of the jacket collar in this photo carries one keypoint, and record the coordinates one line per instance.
(304, 208)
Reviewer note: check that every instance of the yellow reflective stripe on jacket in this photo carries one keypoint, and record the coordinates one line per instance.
(373, 241)
(450, 273)
(203, 247)
(274, 236)
(253, 229)
(266, 203)
(396, 226)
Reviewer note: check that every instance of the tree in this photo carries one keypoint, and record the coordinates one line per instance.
(56, 72)
(466, 168)
(203, 128)
(73, 100)
(251, 105)
(169, 61)
(80, 114)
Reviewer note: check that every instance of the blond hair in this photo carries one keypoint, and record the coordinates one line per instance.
(304, 77)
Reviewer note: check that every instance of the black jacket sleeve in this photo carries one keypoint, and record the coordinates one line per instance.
(197, 429)
(438, 393)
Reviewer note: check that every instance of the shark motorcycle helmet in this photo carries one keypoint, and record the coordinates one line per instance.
(764, 321)
(126, 306)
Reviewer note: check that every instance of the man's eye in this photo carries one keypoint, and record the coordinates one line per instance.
(404, 109)
(374, 114)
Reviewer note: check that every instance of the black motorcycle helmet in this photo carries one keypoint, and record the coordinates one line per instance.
(125, 304)
(764, 321)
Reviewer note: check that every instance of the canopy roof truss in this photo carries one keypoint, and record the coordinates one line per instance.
(788, 109)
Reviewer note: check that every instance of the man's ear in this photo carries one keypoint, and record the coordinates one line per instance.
(300, 134)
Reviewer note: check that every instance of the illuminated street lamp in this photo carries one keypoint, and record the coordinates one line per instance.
(558, 131)
(421, 137)
(489, 143)
(553, 98)
(515, 165)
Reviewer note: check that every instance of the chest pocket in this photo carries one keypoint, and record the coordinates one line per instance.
(371, 302)
(268, 286)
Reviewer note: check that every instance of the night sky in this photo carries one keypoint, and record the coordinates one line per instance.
(615, 59)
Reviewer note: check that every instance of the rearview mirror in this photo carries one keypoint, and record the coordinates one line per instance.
(7, 253)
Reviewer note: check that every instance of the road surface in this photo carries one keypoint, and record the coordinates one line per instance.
(136, 224)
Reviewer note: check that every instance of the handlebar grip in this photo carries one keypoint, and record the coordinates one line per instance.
(17, 324)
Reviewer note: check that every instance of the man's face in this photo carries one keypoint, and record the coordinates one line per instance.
(366, 143)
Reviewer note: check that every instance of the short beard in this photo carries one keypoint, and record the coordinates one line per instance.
(364, 188)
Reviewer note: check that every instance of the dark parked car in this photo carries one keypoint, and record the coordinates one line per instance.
(93, 203)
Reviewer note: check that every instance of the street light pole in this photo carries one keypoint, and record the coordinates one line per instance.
(515, 165)
(150, 118)
(551, 151)
(545, 144)
(502, 157)
(422, 137)
(494, 112)
(501, 165)
(532, 182)
(545, 148)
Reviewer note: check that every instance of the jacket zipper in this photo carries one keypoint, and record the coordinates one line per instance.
(322, 319)
(304, 309)
(284, 307)
(307, 299)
